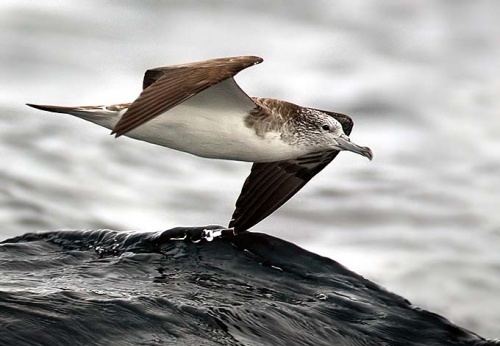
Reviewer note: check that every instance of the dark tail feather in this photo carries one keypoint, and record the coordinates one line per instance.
(55, 109)
(99, 115)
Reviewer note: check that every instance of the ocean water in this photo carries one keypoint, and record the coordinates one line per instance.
(106, 287)
(421, 82)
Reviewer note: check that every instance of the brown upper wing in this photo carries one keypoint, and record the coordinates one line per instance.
(270, 185)
(166, 87)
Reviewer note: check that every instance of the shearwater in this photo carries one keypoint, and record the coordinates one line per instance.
(198, 108)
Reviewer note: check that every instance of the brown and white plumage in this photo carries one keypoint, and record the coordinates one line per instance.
(199, 108)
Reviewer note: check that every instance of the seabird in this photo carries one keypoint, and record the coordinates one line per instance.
(199, 108)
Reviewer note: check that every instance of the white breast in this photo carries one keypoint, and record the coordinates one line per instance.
(211, 124)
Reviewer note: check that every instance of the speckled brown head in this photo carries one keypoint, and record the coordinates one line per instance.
(302, 126)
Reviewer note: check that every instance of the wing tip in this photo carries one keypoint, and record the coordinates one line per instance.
(233, 224)
(257, 59)
(252, 59)
(244, 60)
(117, 133)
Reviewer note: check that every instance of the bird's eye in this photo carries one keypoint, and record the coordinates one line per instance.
(326, 127)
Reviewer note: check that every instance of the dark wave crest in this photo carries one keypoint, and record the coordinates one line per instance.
(116, 288)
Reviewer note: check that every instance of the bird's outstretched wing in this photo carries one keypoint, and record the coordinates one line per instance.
(271, 184)
(166, 87)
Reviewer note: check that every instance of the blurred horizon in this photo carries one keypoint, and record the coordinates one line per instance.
(420, 81)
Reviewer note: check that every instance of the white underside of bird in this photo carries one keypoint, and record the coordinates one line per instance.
(210, 124)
